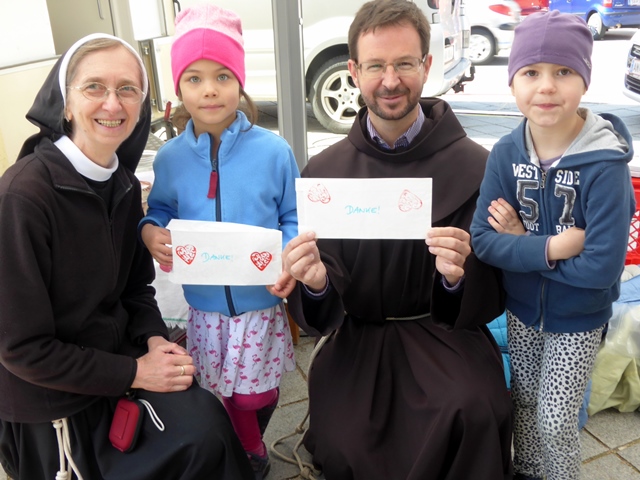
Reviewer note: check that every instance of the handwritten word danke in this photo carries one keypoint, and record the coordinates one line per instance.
(210, 257)
(353, 210)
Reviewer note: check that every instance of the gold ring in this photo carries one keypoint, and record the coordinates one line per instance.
(182, 367)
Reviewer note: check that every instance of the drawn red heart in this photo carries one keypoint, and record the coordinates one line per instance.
(261, 259)
(409, 201)
(319, 193)
(186, 252)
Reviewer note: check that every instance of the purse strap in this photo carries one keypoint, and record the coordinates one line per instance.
(152, 413)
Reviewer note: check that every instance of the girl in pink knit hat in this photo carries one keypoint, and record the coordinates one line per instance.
(223, 167)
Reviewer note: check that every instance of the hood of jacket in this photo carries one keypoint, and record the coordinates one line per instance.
(599, 133)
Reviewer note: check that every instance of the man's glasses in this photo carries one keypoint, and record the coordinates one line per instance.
(97, 92)
(403, 67)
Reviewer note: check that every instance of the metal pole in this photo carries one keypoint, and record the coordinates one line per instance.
(292, 114)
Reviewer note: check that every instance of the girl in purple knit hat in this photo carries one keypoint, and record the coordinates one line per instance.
(564, 171)
(222, 167)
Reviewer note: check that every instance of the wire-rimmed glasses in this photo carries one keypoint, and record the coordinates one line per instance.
(403, 67)
(98, 92)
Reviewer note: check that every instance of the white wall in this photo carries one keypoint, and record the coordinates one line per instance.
(25, 32)
(147, 19)
(18, 88)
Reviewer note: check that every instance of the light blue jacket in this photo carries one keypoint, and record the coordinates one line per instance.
(256, 173)
(589, 188)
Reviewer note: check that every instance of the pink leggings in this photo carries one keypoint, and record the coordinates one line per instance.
(242, 411)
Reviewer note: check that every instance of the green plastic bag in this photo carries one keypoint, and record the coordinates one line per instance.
(615, 377)
(615, 383)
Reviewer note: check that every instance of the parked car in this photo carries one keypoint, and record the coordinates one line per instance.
(492, 25)
(528, 7)
(602, 15)
(330, 89)
(632, 74)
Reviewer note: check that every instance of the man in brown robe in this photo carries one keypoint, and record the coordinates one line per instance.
(410, 383)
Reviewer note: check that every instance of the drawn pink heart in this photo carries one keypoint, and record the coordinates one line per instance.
(409, 201)
(319, 193)
(186, 252)
(261, 259)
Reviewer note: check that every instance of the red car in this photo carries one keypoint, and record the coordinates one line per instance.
(532, 6)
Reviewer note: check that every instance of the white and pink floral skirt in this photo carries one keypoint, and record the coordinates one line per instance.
(245, 354)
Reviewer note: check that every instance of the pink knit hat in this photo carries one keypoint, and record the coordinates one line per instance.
(207, 32)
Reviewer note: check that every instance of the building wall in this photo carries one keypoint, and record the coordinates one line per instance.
(18, 87)
(25, 32)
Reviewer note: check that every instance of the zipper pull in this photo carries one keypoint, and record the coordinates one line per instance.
(213, 185)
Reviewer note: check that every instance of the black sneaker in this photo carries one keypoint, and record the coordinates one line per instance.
(260, 465)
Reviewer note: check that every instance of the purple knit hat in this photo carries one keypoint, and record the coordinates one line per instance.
(207, 32)
(552, 37)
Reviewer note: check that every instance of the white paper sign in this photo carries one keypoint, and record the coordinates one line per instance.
(219, 253)
(382, 208)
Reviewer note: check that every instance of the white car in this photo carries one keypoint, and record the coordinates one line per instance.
(492, 25)
(632, 74)
(330, 90)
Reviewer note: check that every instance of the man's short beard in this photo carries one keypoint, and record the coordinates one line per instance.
(412, 101)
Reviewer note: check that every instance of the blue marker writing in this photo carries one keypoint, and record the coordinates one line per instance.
(351, 210)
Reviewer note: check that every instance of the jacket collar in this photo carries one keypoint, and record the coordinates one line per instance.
(64, 175)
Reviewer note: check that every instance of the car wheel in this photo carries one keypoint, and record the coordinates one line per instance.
(482, 46)
(335, 99)
(596, 26)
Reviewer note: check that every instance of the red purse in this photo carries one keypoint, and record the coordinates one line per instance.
(126, 424)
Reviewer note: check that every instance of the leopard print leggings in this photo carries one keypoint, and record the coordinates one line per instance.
(549, 372)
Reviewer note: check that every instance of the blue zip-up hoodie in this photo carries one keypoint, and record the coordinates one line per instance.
(256, 173)
(590, 188)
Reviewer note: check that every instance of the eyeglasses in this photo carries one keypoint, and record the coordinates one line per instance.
(97, 92)
(403, 67)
